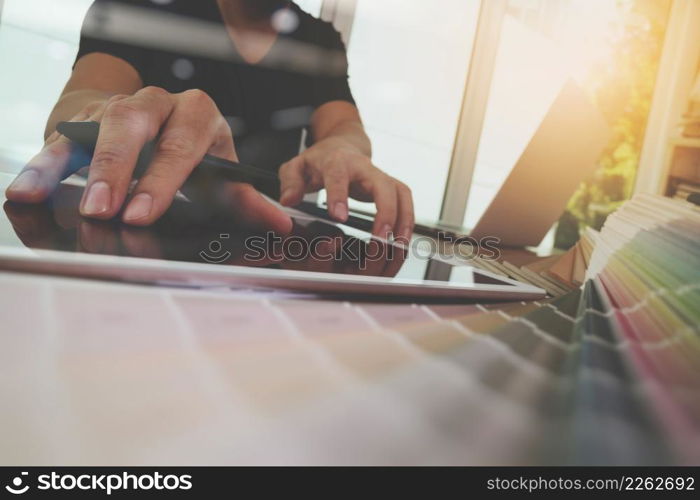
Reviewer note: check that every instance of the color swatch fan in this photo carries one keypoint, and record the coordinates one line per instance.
(604, 373)
(646, 270)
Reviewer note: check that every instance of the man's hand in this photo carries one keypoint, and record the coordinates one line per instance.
(190, 126)
(345, 170)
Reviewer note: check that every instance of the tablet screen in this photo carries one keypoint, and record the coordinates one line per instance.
(189, 232)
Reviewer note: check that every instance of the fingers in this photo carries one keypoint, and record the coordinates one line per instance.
(41, 175)
(127, 124)
(346, 173)
(292, 182)
(336, 180)
(395, 213)
(385, 198)
(405, 220)
(193, 127)
(43, 172)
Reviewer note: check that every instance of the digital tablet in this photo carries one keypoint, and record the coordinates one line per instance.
(197, 246)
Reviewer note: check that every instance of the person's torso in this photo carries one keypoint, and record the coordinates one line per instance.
(268, 104)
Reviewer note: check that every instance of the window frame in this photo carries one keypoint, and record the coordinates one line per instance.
(477, 90)
(680, 60)
(675, 76)
(342, 14)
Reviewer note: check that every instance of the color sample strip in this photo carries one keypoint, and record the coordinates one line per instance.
(605, 374)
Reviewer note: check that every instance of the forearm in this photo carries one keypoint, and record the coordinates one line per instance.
(70, 104)
(339, 122)
(352, 133)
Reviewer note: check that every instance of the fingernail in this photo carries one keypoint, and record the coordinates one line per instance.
(26, 182)
(139, 208)
(340, 211)
(98, 199)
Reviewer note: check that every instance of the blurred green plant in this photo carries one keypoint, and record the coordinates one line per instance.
(623, 92)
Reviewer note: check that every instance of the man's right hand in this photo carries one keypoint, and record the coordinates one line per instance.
(190, 126)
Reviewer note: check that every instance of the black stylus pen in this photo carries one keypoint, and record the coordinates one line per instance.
(206, 174)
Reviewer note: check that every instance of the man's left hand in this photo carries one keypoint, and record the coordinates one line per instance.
(343, 171)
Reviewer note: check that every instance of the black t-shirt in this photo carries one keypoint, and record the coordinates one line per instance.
(183, 44)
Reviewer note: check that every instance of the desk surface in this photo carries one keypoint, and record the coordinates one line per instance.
(110, 374)
(99, 373)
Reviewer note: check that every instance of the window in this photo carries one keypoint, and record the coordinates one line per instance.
(408, 66)
(38, 42)
(612, 49)
(313, 7)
